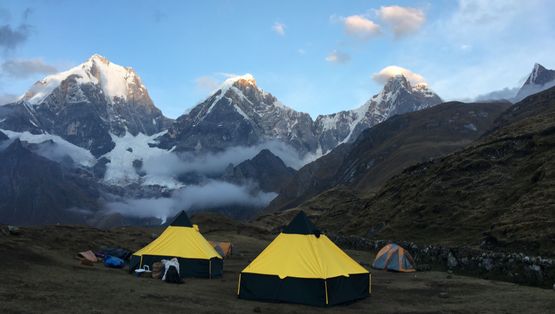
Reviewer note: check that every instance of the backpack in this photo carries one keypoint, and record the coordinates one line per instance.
(113, 262)
(172, 275)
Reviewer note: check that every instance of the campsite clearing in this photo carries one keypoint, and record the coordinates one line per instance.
(40, 274)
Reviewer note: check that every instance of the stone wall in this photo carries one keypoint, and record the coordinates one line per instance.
(488, 264)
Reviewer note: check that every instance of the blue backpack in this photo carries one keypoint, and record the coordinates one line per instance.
(114, 262)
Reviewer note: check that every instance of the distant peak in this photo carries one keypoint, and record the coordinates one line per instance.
(116, 81)
(237, 81)
(397, 81)
(100, 58)
(540, 75)
(245, 77)
(399, 78)
(538, 67)
(265, 153)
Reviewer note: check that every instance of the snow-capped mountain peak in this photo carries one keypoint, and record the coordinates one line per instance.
(239, 113)
(539, 79)
(397, 96)
(117, 83)
(87, 104)
(397, 81)
(540, 75)
(243, 79)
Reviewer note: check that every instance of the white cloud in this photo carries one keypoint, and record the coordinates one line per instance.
(360, 27)
(25, 68)
(390, 71)
(279, 28)
(206, 83)
(505, 93)
(210, 194)
(403, 20)
(485, 45)
(7, 98)
(485, 12)
(338, 57)
(483, 20)
(301, 51)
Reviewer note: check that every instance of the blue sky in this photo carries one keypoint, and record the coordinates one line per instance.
(315, 56)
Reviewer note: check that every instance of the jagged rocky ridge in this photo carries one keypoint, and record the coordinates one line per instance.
(240, 113)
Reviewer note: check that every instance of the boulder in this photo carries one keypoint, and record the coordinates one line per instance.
(451, 261)
(13, 230)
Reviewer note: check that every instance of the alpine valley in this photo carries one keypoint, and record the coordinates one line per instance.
(88, 145)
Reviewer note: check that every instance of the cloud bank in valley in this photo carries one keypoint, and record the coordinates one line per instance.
(211, 194)
(54, 147)
(162, 167)
(167, 164)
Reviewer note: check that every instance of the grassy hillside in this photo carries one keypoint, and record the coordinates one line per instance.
(499, 190)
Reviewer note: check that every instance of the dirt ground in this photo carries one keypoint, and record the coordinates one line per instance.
(39, 274)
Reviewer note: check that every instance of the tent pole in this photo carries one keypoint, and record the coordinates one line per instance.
(239, 285)
(326, 286)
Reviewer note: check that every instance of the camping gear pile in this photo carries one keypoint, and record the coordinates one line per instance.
(110, 257)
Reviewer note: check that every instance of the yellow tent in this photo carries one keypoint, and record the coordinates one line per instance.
(196, 256)
(303, 266)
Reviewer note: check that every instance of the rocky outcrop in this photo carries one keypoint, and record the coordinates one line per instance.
(265, 169)
(36, 190)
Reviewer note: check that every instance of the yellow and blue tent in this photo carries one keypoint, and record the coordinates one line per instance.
(301, 265)
(196, 256)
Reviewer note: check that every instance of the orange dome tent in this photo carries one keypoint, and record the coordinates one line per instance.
(394, 257)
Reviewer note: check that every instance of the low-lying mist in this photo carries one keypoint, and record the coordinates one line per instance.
(209, 195)
(53, 147)
(216, 163)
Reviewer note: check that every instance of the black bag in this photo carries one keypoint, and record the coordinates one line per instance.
(172, 275)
